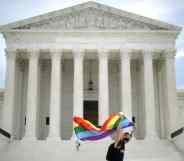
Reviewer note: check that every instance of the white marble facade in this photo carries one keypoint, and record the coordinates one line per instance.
(51, 58)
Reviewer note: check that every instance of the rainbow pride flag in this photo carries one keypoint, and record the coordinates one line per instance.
(85, 130)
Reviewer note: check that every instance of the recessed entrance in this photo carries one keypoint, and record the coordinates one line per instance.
(91, 111)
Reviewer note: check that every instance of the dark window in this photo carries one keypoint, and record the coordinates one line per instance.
(25, 120)
(91, 111)
(47, 120)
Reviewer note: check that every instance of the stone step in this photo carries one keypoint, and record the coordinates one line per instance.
(25, 150)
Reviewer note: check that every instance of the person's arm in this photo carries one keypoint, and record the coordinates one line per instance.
(132, 132)
(118, 136)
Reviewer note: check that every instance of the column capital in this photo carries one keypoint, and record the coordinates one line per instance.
(125, 53)
(103, 53)
(126, 50)
(170, 53)
(148, 53)
(21, 64)
(78, 53)
(56, 53)
(11, 53)
(33, 53)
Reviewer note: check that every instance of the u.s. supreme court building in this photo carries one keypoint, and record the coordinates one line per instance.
(88, 60)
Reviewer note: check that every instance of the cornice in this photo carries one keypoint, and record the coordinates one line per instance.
(21, 37)
(90, 31)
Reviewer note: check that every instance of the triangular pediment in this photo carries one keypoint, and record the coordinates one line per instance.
(90, 18)
(90, 15)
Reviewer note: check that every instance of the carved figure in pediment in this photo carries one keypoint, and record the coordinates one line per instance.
(89, 18)
(70, 21)
(99, 21)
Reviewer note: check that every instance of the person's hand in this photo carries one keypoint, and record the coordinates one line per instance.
(121, 114)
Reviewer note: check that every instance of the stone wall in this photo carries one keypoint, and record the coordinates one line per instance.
(179, 141)
(1, 101)
(180, 99)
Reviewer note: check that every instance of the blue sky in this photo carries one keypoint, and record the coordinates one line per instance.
(165, 10)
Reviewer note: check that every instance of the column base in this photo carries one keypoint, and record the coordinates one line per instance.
(151, 138)
(73, 137)
(29, 138)
(133, 138)
(54, 138)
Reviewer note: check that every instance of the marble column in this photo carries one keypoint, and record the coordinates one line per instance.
(126, 89)
(9, 99)
(32, 95)
(103, 97)
(55, 102)
(172, 121)
(78, 83)
(149, 97)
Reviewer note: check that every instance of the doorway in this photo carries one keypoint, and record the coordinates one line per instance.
(91, 111)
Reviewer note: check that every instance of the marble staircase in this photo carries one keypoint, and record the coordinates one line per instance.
(136, 150)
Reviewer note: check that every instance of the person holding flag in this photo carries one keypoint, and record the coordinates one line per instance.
(116, 150)
(86, 131)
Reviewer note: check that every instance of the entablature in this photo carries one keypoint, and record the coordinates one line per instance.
(92, 53)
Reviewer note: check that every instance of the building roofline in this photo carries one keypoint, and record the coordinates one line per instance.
(89, 4)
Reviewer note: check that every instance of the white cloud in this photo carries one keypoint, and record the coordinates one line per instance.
(146, 8)
(149, 8)
(180, 54)
(59, 4)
